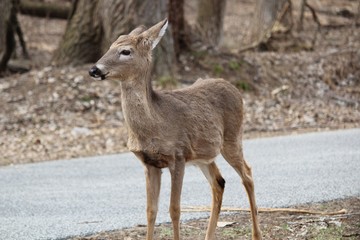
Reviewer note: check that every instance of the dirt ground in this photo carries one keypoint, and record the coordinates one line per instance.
(277, 226)
(309, 81)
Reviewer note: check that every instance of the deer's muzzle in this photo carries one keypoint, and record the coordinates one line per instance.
(95, 72)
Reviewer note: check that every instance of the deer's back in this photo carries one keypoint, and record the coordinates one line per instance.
(208, 100)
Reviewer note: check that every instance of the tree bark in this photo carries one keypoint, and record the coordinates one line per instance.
(210, 20)
(7, 31)
(266, 13)
(80, 43)
(149, 13)
(177, 21)
(95, 24)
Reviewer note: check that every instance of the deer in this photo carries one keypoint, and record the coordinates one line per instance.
(173, 128)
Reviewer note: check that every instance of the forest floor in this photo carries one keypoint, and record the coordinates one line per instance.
(306, 81)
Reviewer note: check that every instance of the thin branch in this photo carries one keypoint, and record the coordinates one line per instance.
(262, 210)
(313, 13)
(302, 10)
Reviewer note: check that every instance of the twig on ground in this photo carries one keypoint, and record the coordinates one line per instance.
(261, 210)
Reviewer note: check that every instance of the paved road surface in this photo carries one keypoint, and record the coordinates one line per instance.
(54, 200)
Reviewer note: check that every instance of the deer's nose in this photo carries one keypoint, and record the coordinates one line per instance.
(95, 72)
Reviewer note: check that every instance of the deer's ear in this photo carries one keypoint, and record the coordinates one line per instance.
(137, 30)
(155, 33)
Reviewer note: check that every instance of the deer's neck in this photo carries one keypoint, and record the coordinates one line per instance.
(137, 92)
(137, 99)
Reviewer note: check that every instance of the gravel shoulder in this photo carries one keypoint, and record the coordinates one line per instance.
(277, 226)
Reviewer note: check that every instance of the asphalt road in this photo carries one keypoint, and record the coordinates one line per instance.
(58, 199)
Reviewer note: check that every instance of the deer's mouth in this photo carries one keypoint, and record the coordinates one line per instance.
(103, 76)
(96, 72)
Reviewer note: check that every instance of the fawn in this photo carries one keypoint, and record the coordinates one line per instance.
(168, 129)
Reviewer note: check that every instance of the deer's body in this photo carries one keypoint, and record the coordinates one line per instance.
(190, 122)
(168, 129)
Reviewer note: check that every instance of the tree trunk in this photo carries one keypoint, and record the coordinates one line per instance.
(80, 43)
(266, 13)
(7, 31)
(150, 12)
(210, 20)
(95, 24)
(177, 21)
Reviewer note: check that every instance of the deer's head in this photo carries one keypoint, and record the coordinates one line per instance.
(129, 54)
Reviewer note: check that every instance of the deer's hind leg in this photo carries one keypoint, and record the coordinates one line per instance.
(217, 184)
(233, 154)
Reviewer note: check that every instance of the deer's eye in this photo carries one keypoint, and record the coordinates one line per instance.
(125, 52)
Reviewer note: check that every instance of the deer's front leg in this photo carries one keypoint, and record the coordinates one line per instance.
(153, 182)
(177, 176)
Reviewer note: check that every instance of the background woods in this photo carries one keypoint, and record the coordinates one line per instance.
(94, 25)
(296, 62)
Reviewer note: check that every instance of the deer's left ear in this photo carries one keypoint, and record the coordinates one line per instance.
(155, 33)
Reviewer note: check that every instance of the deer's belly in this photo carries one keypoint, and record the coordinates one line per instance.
(154, 159)
(160, 154)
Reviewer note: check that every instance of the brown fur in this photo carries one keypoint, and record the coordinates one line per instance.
(172, 128)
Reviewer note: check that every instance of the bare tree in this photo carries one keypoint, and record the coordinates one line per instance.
(9, 27)
(95, 24)
(7, 31)
(266, 13)
(81, 41)
(210, 20)
(177, 21)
